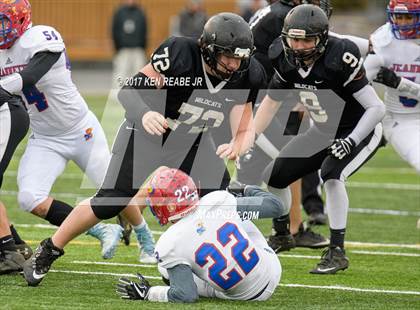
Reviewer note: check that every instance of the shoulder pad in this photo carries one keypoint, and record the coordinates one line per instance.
(275, 49)
(174, 56)
(381, 37)
(335, 53)
(42, 39)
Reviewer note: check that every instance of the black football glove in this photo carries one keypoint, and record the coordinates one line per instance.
(5, 96)
(236, 188)
(341, 148)
(388, 78)
(128, 289)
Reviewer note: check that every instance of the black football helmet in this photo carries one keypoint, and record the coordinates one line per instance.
(325, 5)
(227, 34)
(305, 21)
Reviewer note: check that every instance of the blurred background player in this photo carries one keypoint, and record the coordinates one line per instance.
(306, 58)
(129, 35)
(190, 21)
(210, 264)
(14, 124)
(395, 63)
(172, 124)
(63, 128)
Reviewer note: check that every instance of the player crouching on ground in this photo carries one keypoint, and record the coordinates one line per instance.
(225, 257)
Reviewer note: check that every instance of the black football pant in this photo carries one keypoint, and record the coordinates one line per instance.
(14, 124)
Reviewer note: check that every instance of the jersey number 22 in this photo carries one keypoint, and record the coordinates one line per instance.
(217, 271)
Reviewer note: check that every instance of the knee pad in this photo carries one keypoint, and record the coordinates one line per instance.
(284, 194)
(28, 201)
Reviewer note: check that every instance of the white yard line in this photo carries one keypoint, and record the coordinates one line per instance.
(384, 212)
(98, 273)
(385, 253)
(376, 170)
(347, 243)
(351, 289)
(353, 252)
(84, 262)
(341, 288)
(398, 186)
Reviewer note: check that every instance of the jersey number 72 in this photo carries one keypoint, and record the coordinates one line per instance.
(217, 271)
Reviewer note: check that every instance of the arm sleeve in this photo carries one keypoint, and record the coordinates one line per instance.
(182, 287)
(257, 200)
(138, 97)
(375, 111)
(37, 67)
(373, 64)
(408, 87)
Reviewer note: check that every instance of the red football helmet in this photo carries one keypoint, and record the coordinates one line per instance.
(171, 195)
(400, 8)
(15, 18)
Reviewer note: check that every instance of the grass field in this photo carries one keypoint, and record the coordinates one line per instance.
(383, 247)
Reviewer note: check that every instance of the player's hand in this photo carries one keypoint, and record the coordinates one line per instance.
(128, 289)
(227, 151)
(341, 148)
(154, 123)
(388, 78)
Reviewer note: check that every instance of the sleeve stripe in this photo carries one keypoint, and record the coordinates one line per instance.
(281, 78)
(355, 72)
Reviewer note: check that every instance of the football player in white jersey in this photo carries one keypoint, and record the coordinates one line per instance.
(211, 250)
(34, 65)
(395, 62)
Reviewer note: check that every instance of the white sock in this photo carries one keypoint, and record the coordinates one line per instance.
(284, 194)
(140, 226)
(337, 203)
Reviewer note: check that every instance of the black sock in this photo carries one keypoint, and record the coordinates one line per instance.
(58, 212)
(337, 237)
(7, 243)
(282, 225)
(15, 235)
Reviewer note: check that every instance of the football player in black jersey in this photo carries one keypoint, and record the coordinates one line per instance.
(329, 79)
(172, 106)
(14, 124)
(266, 26)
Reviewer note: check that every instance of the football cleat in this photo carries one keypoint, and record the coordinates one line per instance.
(109, 235)
(37, 267)
(11, 262)
(147, 258)
(24, 249)
(280, 243)
(333, 259)
(127, 229)
(306, 238)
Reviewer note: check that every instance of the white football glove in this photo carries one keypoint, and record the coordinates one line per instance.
(341, 148)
